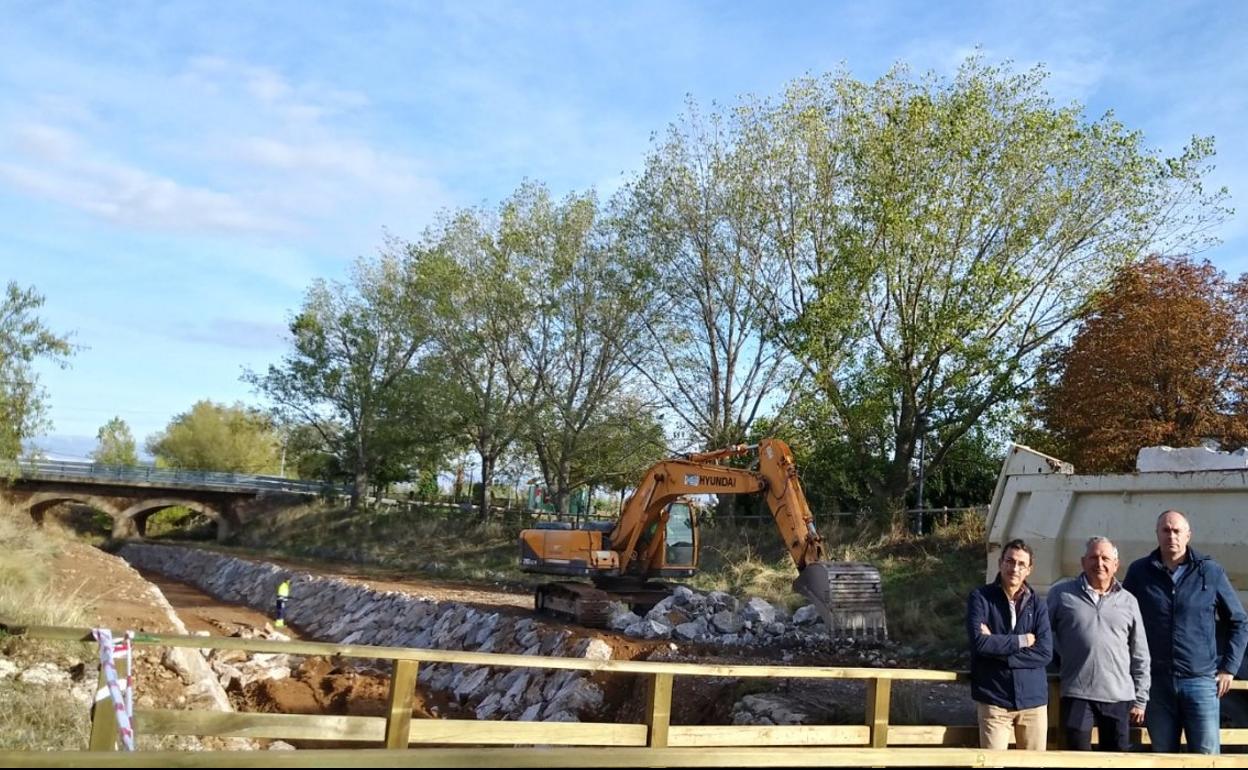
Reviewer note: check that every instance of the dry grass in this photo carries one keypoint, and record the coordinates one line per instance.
(26, 557)
(453, 546)
(37, 717)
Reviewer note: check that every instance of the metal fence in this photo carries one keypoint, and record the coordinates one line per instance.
(174, 477)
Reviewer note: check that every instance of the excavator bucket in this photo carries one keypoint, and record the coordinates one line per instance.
(848, 597)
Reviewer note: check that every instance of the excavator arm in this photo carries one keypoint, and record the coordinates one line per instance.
(702, 473)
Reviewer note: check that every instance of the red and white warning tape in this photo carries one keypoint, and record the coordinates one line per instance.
(121, 691)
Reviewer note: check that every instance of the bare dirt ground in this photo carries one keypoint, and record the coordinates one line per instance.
(123, 600)
(319, 686)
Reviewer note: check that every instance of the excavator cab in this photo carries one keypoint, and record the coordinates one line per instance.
(680, 549)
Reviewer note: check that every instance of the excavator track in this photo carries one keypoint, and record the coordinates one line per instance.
(583, 604)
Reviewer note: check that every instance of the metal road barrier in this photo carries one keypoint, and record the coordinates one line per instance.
(50, 470)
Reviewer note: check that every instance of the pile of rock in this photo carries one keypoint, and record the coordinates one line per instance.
(718, 618)
(236, 669)
(335, 610)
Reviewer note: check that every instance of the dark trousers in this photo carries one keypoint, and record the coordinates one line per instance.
(1113, 720)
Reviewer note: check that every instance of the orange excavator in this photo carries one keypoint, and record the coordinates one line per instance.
(657, 537)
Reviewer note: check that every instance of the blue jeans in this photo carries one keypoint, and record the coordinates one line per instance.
(1190, 705)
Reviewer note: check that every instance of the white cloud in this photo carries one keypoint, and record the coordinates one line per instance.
(333, 158)
(232, 333)
(55, 164)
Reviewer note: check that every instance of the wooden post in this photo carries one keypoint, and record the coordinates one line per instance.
(399, 705)
(879, 692)
(1058, 740)
(659, 710)
(104, 711)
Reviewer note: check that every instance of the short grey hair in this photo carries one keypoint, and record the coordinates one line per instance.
(1097, 540)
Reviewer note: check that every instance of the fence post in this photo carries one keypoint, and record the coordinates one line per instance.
(879, 692)
(659, 710)
(104, 712)
(399, 704)
(1055, 714)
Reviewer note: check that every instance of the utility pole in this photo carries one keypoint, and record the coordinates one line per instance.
(921, 426)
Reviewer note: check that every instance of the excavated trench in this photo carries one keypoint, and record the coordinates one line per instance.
(351, 610)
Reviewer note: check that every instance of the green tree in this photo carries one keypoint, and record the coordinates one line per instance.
(925, 240)
(116, 444)
(707, 355)
(215, 437)
(479, 319)
(354, 348)
(624, 439)
(589, 317)
(23, 339)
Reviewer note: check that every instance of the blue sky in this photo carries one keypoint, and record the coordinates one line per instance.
(173, 175)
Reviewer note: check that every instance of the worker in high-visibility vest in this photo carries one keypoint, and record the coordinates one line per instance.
(283, 596)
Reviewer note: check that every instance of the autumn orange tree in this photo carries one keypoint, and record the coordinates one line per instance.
(1162, 359)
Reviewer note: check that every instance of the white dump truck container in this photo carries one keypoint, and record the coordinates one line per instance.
(1041, 500)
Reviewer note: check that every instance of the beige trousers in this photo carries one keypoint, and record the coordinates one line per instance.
(1028, 727)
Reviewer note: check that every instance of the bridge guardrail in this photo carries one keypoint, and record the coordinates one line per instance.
(60, 469)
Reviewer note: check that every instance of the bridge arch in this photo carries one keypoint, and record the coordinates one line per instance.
(134, 518)
(39, 503)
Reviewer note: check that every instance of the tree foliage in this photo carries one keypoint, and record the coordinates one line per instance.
(216, 437)
(707, 356)
(23, 340)
(588, 315)
(478, 316)
(350, 374)
(928, 239)
(115, 444)
(1161, 360)
(870, 266)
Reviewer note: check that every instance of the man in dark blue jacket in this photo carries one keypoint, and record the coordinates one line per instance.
(1183, 596)
(1008, 628)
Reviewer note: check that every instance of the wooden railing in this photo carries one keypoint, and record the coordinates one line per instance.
(655, 741)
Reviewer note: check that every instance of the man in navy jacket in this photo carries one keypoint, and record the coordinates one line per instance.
(1008, 629)
(1183, 596)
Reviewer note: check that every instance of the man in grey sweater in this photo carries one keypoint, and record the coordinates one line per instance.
(1098, 636)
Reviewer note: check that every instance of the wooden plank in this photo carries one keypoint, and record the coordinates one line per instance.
(399, 703)
(933, 735)
(616, 757)
(468, 731)
(490, 659)
(372, 729)
(659, 709)
(768, 735)
(242, 725)
(879, 692)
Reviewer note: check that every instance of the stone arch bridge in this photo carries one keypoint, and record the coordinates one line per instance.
(131, 495)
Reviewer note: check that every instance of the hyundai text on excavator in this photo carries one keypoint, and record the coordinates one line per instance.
(657, 537)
